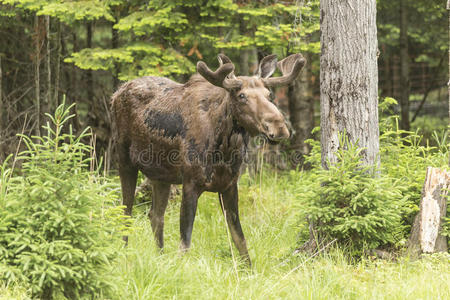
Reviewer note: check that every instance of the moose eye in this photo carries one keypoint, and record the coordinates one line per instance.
(242, 97)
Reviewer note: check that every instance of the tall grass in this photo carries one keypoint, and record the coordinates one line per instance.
(270, 222)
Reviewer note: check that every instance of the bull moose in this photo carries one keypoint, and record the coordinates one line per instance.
(196, 134)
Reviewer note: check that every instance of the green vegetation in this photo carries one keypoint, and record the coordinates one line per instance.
(354, 203)
(59, 227)
(60, 231)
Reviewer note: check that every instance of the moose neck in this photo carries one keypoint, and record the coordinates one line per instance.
(231, 135)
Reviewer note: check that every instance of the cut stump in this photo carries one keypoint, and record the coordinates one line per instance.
(426, 234)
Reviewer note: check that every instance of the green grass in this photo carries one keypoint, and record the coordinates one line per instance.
(269, 215)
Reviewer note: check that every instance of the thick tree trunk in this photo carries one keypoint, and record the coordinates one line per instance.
(425, 233)
(349, 77)
(348, 84)
(301, 113)
(404, 66)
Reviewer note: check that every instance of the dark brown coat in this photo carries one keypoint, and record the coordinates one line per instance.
(196, 134)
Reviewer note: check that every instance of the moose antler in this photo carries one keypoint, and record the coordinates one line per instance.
(223, 76)
(290, 67)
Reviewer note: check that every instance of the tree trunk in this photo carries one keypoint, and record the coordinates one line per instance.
(115, 45)
(348, 84)
(301, 114)
(89, 75)
(425, 233)
(243, 63)
(57, 66)
(448, 84)
(1, 98)
(37, 75)
(349, 77)
(404, 66)
(49, 66)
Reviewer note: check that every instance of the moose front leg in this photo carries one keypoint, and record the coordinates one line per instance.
(187, 213)
(229, 204)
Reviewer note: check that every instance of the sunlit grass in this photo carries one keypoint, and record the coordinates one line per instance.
(269, 215)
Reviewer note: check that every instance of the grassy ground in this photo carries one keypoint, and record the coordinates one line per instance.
(271, 224)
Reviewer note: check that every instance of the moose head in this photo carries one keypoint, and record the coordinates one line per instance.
(251, 97)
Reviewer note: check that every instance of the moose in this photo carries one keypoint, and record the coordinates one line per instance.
(196, 134)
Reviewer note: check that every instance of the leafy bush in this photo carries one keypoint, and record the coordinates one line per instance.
(405, 158)
(354, 203)
(59, 229)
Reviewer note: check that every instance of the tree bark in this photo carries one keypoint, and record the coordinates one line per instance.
(1, 97)
(115, 45)
(301, 113)
(37, 75)
(425, 233)
(49, 66)
(89, 75)
(404, 66)
(57, 66)
(448, 84)
(349, 77)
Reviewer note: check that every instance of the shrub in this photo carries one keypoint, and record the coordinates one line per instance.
(354, 203)
(59, 229)
(405, 158)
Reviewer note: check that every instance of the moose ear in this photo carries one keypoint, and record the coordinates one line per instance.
(267, 66)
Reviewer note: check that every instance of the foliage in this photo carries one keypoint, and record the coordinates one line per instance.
(405, 158)
(269, 216)
(59, 226)
(432, 129)
(354, 203)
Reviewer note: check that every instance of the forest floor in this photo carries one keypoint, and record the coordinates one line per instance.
(270, 220)
(269, 216)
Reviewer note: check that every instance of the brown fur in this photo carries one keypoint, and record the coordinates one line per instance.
(193, 134)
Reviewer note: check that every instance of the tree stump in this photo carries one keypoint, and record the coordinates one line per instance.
(425, 232)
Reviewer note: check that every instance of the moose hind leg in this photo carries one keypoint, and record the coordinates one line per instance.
(160, 197)
(229, 204)
(187, 214)
(128, 177)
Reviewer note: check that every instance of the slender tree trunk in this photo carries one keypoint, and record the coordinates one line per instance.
(57, 65)
(404, 66)
(89, 75)
(243, 63)
(49, 65)
(349, 77)
(36, 75)
(301, 113)
(115, 45)
(1, 99)
(448, 84)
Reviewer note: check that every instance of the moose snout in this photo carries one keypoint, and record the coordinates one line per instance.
(277, 132)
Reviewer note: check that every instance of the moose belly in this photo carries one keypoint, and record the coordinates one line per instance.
(156, 165)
